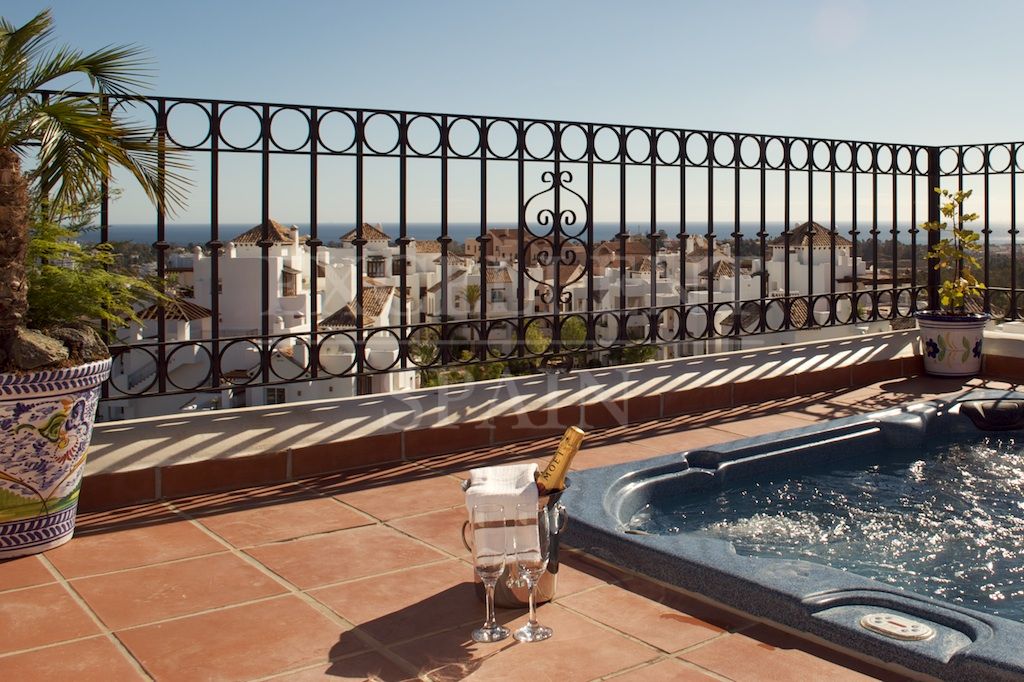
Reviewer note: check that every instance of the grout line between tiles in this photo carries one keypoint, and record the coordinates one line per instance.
(107, 632)
(667, 657)
(293, 590)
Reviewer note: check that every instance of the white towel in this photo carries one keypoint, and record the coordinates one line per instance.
(509, 485)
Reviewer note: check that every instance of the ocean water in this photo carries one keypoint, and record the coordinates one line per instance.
(184, 234)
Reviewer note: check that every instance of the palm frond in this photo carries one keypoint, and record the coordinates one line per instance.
(115, 70)
(78, 142)
(79, 139)
(22, 46)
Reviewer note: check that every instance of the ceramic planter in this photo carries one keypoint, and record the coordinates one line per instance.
(951, 344)
(46, 423)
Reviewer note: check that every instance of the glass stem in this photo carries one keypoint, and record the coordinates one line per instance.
(533, 603)
(489, 591)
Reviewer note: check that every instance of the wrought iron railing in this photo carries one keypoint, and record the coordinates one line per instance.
(740, 236)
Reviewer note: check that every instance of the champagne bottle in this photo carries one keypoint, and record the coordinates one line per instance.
(552, 478)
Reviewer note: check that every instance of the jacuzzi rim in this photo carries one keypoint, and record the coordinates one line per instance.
(794, 593)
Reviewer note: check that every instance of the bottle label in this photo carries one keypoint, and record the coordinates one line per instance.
(553, 476)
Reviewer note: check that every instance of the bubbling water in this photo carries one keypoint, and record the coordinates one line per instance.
(947, 522)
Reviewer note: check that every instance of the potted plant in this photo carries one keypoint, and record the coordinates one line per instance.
(49, 382)
(952, 335)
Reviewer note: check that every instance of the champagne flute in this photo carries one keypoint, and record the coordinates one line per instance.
(532, 542)
(489, 533)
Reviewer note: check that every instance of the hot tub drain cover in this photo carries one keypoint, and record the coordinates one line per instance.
(897, 627)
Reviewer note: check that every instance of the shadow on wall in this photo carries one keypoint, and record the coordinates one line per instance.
(176, 439)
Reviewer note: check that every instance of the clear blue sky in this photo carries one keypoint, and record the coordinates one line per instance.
(933, 72)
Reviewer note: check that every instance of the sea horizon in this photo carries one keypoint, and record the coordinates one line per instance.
(183, 234)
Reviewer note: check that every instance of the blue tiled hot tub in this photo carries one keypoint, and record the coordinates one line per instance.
(837, 605)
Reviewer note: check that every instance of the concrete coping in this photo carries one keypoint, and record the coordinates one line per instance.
(201, 436)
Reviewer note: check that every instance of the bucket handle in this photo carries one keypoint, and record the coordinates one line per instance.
(561, 522)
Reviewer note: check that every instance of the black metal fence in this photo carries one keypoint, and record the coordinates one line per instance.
(614, 242)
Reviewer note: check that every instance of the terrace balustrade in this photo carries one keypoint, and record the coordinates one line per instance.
(719, 254)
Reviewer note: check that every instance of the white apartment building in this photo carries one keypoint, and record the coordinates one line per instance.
(696, 275)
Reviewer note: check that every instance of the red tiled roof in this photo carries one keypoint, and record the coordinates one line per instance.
(821, 237)
(276, 233)
(374, 301)
(497, 276)
(453, 259)
(720, 269)
(428, 246)
(176, 309)
(370, 234)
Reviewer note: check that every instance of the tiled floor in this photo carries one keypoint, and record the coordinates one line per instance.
(362, 576)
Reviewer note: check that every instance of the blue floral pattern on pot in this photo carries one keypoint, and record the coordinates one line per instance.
(951, 346)
(45, 429)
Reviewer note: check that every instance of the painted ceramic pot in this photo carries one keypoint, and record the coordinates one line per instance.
(951, 344)
(46, 423)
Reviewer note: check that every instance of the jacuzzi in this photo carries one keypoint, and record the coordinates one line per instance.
(896, 626)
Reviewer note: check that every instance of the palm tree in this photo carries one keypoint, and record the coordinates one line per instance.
(472, 295)
(75, 140)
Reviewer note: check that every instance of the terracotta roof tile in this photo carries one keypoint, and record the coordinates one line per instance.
(276, 232)
(567, 276)
(428, 246)
(453, 259)
(798, 312)
(370, 234)
(176, 309)
(497, 276)
(720, 269)
(374, 299)
(810, 233)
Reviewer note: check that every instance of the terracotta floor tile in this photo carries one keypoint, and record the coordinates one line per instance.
(152, 593)
(407, 498)
(207, 504)
(23, 572)
(43, 615)
(575, 575)
(368, 666)
(96, 659)
(658, 625)
(272, 523)
(686, 439)
(363, 478)
(579, 650)
(463, 474)
(390, 582)
(756, 426)
(826, 409)
(666, 670)
(616, 453)
(741, 657)
(442, 529)
(149, 513)
(239, 643)
(685, 604)
(496, 455)
(347, 554)
(131, 547)
(408, 603)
